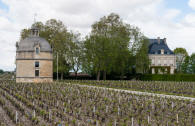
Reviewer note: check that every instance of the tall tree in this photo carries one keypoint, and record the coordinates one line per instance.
(139, 50)
(58, 36)
(186, 65)
(107, 45)
(75, 53)
(181, 54)
(1, 71)
(192, 64)
(142, 59)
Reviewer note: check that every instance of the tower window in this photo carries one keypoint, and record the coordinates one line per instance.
(36, 73)
(37, 50)
(37, 64)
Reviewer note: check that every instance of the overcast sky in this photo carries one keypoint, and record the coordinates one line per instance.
(171, 19)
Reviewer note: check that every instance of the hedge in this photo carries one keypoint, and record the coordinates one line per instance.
(167, 77)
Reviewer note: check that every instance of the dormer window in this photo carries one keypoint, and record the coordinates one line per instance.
(37, 50)
(159, 51)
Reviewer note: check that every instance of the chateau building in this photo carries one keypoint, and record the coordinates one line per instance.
(34, 59)
(163, 60)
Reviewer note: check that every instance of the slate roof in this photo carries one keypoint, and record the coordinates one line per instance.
(155, 47)
(29, 43)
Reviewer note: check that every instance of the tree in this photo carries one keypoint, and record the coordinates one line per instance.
(26, 32)
(1, 71)
(75, 53)
(106, 47)
(58, 36)
(192, 64)
(186, 65)
(181, 54)
(139, 49)
(142, 59)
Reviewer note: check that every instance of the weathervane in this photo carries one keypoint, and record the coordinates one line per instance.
(35, 17)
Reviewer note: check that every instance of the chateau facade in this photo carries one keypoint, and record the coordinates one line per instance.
(34, 59)
(163, 60)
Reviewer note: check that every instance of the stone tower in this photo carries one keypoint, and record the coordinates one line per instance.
(34, 59)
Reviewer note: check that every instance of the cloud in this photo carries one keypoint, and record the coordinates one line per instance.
(191, 3)
(151, 16)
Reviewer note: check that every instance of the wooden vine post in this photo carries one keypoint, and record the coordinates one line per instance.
(16, 117)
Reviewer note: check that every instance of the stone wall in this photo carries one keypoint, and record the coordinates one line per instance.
(32, 55)
(25, 67)
(163, 60)
(34, 80)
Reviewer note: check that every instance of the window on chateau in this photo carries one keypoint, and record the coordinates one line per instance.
(37, 50)
(37, 64)
(36, 73)
(152, 61)
(165, 61)
(159, 62)
(171, 61)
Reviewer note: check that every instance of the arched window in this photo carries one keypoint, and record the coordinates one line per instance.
(37, 64)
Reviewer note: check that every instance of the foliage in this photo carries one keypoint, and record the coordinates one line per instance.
(107, 45)
(181, 55)
(142, 59)
(112, 46)
(1, 71)
(192, 64)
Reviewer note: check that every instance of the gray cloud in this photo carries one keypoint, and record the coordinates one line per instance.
(78, 15)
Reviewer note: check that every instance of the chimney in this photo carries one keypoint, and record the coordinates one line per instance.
(162, 51)
(158, 40)
(165, 40)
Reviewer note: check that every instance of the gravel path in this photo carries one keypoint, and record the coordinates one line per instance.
(142, 93)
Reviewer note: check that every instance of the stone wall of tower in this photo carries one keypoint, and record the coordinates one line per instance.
(25, 67)
(32, 55)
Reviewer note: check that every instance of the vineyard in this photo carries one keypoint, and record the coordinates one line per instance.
(68, 104)
(175, 88)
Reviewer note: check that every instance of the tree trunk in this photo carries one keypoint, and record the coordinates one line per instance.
(122, 76)
(98, 75)
(62, 76)
(104, 77)
(76, 75)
